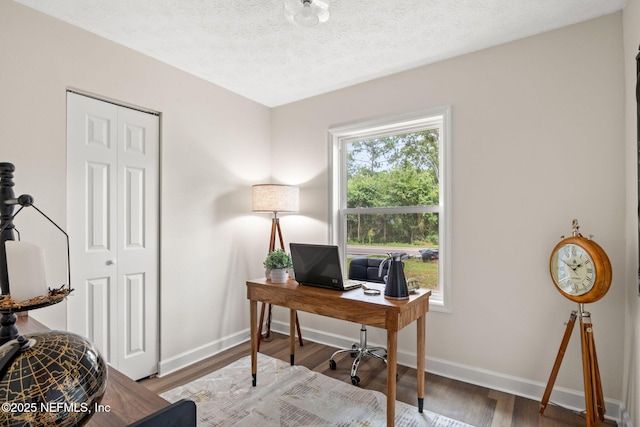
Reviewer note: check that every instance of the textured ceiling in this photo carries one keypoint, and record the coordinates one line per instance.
(251, 48)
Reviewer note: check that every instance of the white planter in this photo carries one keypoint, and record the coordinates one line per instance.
(278, 275)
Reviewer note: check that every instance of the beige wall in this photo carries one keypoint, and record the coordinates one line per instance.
(215, 144)
(631, 383)
(537, 141)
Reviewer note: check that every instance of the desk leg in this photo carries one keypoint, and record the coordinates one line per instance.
(420, 324)
(253, 310)
(292, 335)
(392, 370)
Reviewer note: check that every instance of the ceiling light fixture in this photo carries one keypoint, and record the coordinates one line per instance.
(307, 13)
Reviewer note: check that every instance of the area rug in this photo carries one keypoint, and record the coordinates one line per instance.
(292, 396)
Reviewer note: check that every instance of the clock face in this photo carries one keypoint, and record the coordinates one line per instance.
(580, 269)
(572, 269)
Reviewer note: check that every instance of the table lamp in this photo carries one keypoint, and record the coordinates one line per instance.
(275, 198)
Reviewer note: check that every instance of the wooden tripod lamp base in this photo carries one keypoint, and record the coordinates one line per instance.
(267, 336)
(275, 229)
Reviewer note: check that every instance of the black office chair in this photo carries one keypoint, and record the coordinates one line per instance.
(179, 414)
(365, 269)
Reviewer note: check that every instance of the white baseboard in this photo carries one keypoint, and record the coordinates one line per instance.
(197, 354)
(567, 398)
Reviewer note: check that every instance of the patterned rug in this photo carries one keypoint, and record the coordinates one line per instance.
(292, 396)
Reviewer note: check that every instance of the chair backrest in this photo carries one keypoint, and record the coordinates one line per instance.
(362, 268)
(179, 414)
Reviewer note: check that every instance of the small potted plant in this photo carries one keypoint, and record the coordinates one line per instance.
(277, 263)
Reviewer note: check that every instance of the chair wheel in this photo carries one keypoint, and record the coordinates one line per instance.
(332, 364)
(355, 380)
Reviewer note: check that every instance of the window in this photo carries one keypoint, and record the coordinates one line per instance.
(390, 183)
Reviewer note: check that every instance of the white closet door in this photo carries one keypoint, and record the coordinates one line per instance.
(113, 183)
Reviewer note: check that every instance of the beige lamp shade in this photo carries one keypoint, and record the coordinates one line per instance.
(275, 198)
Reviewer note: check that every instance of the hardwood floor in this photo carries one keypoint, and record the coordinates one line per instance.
(471, 404)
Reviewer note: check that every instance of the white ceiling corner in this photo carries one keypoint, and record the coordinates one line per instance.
(251, 48)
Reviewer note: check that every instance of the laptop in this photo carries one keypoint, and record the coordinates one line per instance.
(319, 265)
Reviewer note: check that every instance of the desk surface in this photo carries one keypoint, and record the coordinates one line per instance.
(128, 401)
(353, 305)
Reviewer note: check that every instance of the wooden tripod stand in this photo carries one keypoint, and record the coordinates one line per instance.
(275, 229)
(593, 396)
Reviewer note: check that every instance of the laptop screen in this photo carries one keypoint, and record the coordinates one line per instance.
(316, 264)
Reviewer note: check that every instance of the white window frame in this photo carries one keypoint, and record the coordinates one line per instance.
(340, 136)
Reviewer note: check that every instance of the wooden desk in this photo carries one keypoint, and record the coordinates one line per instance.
(128, 401)
(353, 306)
